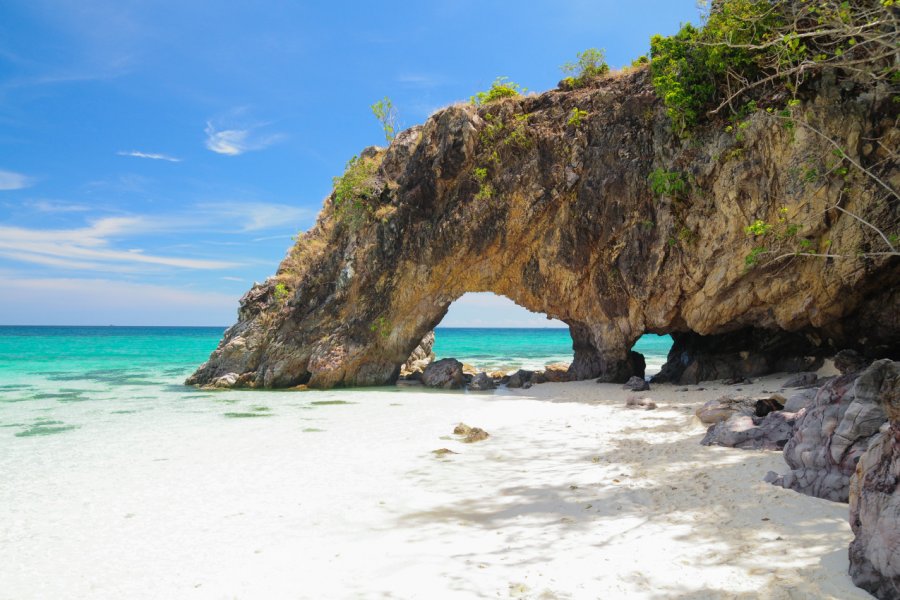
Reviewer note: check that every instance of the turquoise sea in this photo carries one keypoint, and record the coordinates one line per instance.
(52, 378)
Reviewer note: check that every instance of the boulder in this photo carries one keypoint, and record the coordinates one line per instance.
(800, 400)
(801, 380)
(850, 361)
(636, 384)
(764, 406)
(874, 493)
(556, 373)
(771, 432)
(482, 382)
(520, 378)
(446, 373)
(724, 407)
(420, 358)
(476, 434)
(830, 436)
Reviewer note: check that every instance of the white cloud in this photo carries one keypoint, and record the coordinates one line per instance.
(49, 206)
(150, 155)
(256, 216)
(232, 142)
(10, 180)
(90, 247)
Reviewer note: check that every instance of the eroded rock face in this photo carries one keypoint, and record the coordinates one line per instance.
(831, 435)
(510, 198)
(874, 494)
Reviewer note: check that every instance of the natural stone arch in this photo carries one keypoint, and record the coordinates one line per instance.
(513, 199)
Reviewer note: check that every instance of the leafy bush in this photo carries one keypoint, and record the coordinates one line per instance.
(501, 88)
(381, 326)
(576, 116)
(667, 183)
(590, 64)
(281, 292)
(353, 190)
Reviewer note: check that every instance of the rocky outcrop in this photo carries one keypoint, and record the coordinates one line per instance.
(446, 373)
(561, 217)
(831, 435)
(421, 357)
(747, 432)
(874, 495)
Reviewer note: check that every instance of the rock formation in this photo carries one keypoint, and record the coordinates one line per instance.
(515, 198)
(830, 435)
(874, 495)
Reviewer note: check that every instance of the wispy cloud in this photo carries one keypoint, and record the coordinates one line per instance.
(10, 180)
(232, 279)
(236, 141)
(150, 155)
(91, 247)
(49, 206)
(256, 216)
(421, 80)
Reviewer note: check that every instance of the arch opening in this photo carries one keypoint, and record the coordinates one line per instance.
(491, 333)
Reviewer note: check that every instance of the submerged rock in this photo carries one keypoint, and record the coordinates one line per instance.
(446, 373)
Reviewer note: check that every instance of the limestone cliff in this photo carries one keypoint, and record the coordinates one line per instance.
(609, 222)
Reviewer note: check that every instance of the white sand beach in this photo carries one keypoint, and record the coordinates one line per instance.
(572, 496)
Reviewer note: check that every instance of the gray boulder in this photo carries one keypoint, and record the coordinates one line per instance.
(520, 378)
(482, 382)
(800, 400)
(636, 384)
(874, 493)
(850, 361)
(829, 437)
(800, 380)
(771, 432)
(446, 373)
(724, 407)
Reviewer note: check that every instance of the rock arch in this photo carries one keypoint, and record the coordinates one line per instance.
(512, 198)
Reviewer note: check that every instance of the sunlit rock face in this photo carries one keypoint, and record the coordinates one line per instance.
(514, 198)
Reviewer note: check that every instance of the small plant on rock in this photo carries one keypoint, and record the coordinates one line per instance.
(501, 88)
(575, 117)
(386, 114)
(590, 64)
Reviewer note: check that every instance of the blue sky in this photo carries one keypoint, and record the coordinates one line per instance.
(157, 157)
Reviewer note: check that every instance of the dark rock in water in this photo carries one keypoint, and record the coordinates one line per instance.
(443, 451)
(770, 432)
(830, 436)
(850, 361)
(481, 383)
(520, 378)
(737, 356)
(636, 384)
(644, 403)
(446, 373)
(801, 380)
(462, 429)
(768, 405)
(874, 493)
